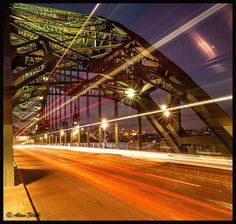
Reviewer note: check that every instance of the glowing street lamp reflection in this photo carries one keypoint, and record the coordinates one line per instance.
(167, 113)
(62, 133)
(104, 124)
(163, 107)
(130, 93)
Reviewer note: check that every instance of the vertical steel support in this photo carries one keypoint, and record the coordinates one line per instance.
(65, 137)
(79, 137)
(172, 102)
(56, 104)
(78, 106)
(139, 133)
(49, 108)
(71, 102)
(100, 117)
(52, 115)
(60, 111)
(8, 162)
(64, 103)
(88, 112)
(116, 124)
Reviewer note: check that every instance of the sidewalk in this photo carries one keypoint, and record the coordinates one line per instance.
(16, 203)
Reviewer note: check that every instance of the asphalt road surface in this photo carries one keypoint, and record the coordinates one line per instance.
(67, 185)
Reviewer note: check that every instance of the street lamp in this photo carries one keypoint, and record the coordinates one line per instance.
(167, 113)
(163, 107)
(45, 137)
(104, 126)
(130, 93)
(61, 134)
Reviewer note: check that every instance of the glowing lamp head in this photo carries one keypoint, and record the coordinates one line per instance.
(163, 107)
(104, 123)
(77, 128)
(167, 113)
(45, 136)
(130, 93)
(62, 132)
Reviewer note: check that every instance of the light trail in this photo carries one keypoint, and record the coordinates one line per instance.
(189, 24)
(171, 109)
(150, 49)
(59, 63)
(221, 99)
(78, 111)
(156, 45)
(195, 160)
(85, 23)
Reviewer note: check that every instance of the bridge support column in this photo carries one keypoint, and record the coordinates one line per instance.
(139, 133)
(100, 118)
(78, 137)
(8, 175)
(8, 161)
(116, 124)
(88, 113)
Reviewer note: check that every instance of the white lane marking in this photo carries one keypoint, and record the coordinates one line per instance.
(116, 166)
(162, 196)
(227, 205)
(172, 180)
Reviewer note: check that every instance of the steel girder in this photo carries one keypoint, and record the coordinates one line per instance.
(40, 36)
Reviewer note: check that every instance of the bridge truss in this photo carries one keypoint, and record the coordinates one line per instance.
(99, 63)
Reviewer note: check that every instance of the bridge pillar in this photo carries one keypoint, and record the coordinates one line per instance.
(88, 113)
(139, 133)
(8, 161)
(100, 118)
(116, 124)
(78, 138)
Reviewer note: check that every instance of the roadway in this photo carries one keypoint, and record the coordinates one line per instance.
(68, 185)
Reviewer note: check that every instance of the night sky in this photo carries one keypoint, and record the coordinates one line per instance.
(204, 52)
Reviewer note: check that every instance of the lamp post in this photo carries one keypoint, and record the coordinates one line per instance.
(77, 130)
(61, 134)
(45, 137)
(104, 126)
(130, 93)
(166, 114)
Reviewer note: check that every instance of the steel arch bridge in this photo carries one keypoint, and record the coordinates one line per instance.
(100, 63)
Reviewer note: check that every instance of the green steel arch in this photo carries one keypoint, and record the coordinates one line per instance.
(39, 37)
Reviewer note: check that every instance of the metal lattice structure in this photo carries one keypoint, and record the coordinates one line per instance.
(39, 36)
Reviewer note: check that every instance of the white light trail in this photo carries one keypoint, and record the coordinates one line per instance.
(150, 49)
(159, 43)
(221, 99)
(86, 21)
(189, 25)
(204, 161)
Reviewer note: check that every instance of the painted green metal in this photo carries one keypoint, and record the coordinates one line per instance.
(40, 36)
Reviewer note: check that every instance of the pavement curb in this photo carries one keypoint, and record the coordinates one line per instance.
(20, 186)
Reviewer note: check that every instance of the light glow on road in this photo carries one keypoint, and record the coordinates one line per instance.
(195, 160)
